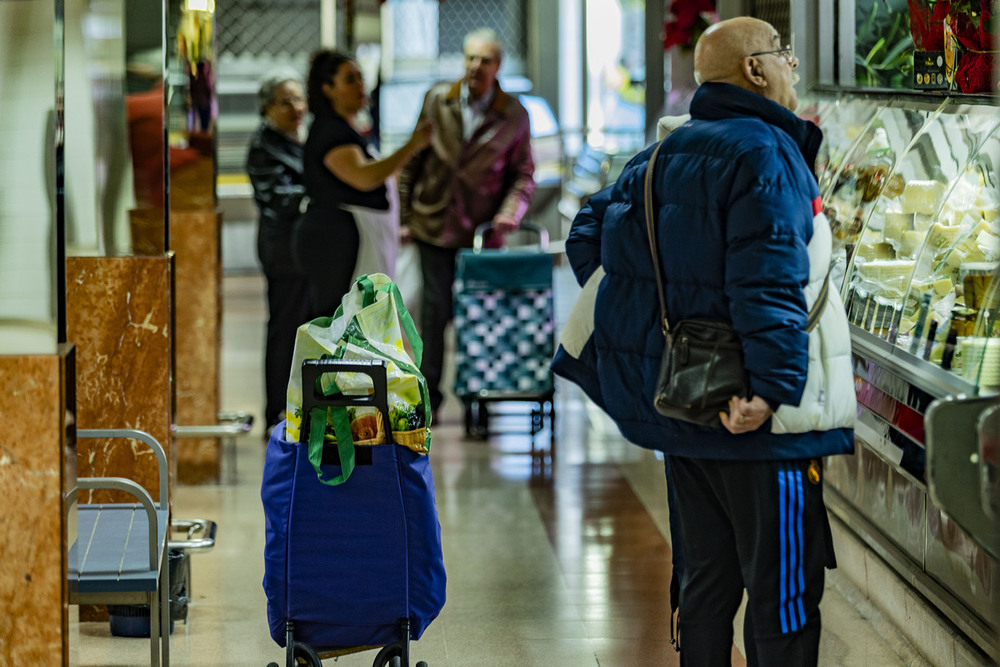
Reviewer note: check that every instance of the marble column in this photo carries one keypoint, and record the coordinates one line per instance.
(37, 470)
(119, 314)
(195, 240)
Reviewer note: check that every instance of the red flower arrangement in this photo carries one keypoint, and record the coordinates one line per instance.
(927, 24)
(689, 19)
(971, 22)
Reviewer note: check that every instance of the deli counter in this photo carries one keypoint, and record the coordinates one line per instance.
(909, 183)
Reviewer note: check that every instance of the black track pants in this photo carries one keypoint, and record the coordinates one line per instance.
(759, 525)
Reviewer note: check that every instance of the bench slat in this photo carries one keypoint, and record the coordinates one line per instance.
(115, 557)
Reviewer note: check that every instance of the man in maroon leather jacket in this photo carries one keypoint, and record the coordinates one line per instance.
(478, 169)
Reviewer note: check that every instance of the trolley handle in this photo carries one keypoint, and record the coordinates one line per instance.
(312, 397)
(480, 234)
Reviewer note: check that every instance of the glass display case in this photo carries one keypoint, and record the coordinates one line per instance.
(909, 183)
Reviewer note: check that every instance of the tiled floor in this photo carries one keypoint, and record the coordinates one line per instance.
(567, 568)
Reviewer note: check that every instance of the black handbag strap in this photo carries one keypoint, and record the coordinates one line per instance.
(814, 313)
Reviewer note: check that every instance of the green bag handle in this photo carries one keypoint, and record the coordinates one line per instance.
(409, 328)
(345, 442)
(341, 429)
(365, 284)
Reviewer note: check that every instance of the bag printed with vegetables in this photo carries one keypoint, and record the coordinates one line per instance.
(369, 324)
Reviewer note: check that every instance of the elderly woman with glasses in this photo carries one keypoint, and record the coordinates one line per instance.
(274, 164)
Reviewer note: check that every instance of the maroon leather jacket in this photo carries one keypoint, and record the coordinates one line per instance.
(452, 186)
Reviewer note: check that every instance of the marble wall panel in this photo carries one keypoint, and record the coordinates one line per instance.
(192, 176)
(37, 467)
(194, 239)
(119, 314)
(146, 230)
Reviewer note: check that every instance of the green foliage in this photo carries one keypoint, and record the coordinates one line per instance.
(883, 50)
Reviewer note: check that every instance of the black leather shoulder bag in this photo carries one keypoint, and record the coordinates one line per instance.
(702, 363)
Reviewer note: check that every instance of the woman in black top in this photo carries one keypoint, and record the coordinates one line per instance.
(274, 164)
(340, 172)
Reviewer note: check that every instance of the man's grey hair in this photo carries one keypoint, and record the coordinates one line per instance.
(270, 83)
(485, 35)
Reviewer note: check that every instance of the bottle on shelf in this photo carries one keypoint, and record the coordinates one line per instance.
(875, 176)
(949, 349)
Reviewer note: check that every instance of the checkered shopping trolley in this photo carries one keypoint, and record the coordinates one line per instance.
(504, 328)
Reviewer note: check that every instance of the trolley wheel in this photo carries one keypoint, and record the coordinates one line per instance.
(484, 421)
(305, 655)
(389, 656)
(468, 417)
(477, 419)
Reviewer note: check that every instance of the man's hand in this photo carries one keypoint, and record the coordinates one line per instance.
(744, 415)
(504, 224)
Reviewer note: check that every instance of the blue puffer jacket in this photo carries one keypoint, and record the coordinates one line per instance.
(735, 202)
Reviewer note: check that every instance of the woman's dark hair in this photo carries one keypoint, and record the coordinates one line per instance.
(323, 67)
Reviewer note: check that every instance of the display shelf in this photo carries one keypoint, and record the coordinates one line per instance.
(924, 375)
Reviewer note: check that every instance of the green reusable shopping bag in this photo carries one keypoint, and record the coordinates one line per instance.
(371, 323)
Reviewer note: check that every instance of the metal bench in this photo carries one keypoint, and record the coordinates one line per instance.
(120, 555)
(231, 425)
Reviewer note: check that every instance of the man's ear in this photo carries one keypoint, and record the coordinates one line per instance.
(753, 72)
(327, 90)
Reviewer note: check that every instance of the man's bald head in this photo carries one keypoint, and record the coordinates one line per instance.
(723, 55)
(719, 53)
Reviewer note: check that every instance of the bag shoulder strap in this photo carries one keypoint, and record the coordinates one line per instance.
(651, 234)
(814, 313)
(817, 308)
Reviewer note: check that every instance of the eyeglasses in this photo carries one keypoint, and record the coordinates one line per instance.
(785, 53)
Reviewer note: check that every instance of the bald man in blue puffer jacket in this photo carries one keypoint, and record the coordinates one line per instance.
(743, 239)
